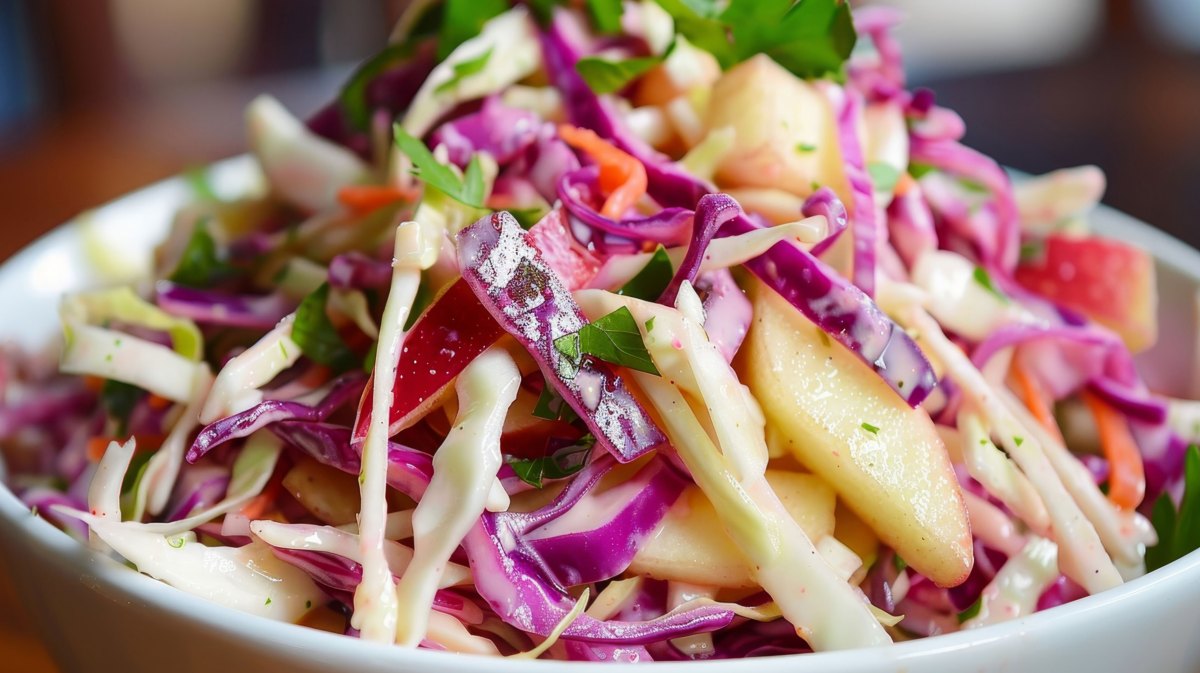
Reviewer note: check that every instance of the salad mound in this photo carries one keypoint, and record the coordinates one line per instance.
(621, 331)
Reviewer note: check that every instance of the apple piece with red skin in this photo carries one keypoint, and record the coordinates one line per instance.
(1107, 280)
(456, 328)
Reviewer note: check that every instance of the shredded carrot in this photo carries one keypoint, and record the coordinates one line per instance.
(1036, 400)
(622, 177)
(1126, 474)
(157, 402)
(316, 376)
(93, 383)
(97, 447)
(365, 199)
(262, 504)
(905, 183)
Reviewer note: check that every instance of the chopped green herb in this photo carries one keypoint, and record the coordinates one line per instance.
(918, 170)
(606, 76)
(983, 441)
(118, 399)
(1018, 440)
(465, 69)
(551, 407)
(810, 38)
(467, 190)
(199, 265)
(899, 563)
(561, 464)
(268, 601)
(873, 429)
(650, 282)
(316, 336)
(824, 337)
(176, 542)
(805, 148)
(984, 279)
(353, 96)
(613, 338)
(463, 19)
(971, 611)
(605, 15)
(1178, 530)
(883, 176)
(650, 324)
(527, 217)
(1032, 251)
(197, 180)
(307, 605)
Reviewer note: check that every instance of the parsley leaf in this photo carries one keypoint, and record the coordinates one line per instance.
(551, 407)
(982, 277)
(199, 265)
(919, 170)
(810, 38)
(650, 282)
(316, 335)
(873, 429)
(118, 399)
(613, 338)
(467, 190)
(1178, 531)
(559, 465)
(883, 176)
(606, 76)
(971, 610)
(463, 19)
(605, 15)
(465, 69)
(353, 97)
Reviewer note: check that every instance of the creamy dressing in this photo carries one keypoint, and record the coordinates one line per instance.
(1000, 477)
(1082, 555)
(1015, 589)
(236, 387)
(247, 578)
(375, 604)
(464, 469)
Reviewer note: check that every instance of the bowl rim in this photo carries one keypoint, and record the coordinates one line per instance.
(102, 573)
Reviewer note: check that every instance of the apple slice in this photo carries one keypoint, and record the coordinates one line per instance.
(691, 546)
(1109, 281)
(883, 457)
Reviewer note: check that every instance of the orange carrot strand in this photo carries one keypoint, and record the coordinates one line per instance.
(1126, 473)
(1036, 400)
(622, 177)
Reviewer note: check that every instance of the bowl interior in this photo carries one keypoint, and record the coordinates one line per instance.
(114, 243)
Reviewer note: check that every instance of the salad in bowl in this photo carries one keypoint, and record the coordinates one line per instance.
(627, 332)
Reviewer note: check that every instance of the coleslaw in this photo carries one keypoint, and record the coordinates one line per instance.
(621, 331)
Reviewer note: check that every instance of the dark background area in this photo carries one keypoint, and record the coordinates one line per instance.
(99, 97)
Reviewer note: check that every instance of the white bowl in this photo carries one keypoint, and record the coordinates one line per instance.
(97, 615)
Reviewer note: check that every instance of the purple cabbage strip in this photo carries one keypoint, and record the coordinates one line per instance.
(866, 228)
(545, 162)
(825, 202)
(346, 388)
(50, 405)
(956, 159)
(44, 500)
(1061, 592)
(621, 654)
(409, 470)
(884, 77)
(515, 588)
(727, 311)
(667, 183)
(633, 511)
(844, 312)
(668, 226)
(343, 576)
(1115, 360)
(501, 131)
(938, 124)
(203, 487)
(910, 226)
(527, 298)
(713, 211)
(1136, 404)
(226, 310)
(1163, 454)
(356, 271)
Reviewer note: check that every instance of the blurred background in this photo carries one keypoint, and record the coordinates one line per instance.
(98, 98)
